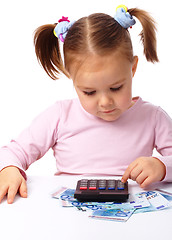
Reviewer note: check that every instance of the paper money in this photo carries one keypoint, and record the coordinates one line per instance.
(58, 192)
(164, 192)
(68, 195)
(167, 196)
(120, 215)
(137, 203)
(157, 201)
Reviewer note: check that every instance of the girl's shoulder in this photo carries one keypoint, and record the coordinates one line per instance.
(67, 105)
(139, 102)
(67, 102)
(145, 106)
(56, 110)
(141, 108)
(149, 110)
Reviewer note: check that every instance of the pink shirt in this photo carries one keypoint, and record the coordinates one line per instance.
(85, 144)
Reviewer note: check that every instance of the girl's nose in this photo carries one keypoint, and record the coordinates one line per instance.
(105, 101)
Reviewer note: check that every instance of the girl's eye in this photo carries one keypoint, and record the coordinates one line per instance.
(116, 89)
(89, 93)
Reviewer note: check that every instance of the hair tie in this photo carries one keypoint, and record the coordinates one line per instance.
(61, 29)
(123, 17)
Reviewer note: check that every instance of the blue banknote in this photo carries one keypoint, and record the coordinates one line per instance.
(157, 201)
(121, 215)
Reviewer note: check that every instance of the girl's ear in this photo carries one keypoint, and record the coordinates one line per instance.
(135, 62)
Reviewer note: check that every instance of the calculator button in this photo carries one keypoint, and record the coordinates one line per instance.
(102, 181)
(111, 182)
(120, 185)
(83, 188)
(93, 182)
(111, 188)
(111, 185)
(92, 188)
(102, 187)
(92, 185)
(84, 181)
(83, 184)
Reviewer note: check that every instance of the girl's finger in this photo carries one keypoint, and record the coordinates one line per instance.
(12, 191)
(135, 172)
(141, 177)
(23, 189)
(146, 182)
(3, 192)
(126, 175)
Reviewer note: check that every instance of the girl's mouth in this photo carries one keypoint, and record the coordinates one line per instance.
(109, 111)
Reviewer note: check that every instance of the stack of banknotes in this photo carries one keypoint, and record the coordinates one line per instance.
(146, 201)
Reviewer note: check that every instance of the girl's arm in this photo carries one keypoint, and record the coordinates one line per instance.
(163, 141)
(33, 142)
(146, 170)
(30, 146)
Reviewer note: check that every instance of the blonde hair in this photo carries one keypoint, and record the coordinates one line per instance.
(96, 34)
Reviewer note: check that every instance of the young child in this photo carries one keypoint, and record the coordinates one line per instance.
(106, 130)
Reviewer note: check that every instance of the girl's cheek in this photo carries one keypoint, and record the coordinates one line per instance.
(89, 106)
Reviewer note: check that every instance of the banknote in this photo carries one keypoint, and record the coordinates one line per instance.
(58, 192)
(157, 201)
(167, 196)
(165, 193)
(68, 195)
(120, 215)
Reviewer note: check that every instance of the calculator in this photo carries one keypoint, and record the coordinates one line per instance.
(101, 190)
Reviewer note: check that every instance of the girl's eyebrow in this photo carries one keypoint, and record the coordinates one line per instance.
(118, 82)
(86, 88)
(89, 88)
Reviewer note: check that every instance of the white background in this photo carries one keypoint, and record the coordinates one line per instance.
(26, 90)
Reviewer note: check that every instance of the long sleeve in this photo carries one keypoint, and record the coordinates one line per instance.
(163, 141)
(33, 142)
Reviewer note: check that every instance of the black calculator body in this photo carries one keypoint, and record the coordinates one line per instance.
(101, 190)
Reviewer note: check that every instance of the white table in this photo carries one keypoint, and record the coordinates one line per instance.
(40, 217)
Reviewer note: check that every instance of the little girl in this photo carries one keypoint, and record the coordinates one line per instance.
(106, 130)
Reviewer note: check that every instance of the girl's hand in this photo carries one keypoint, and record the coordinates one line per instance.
(145, 170)
(11, 181)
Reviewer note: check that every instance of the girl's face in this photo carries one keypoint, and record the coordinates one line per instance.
(104, 85)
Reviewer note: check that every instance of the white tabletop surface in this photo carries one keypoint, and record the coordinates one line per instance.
(41, 217)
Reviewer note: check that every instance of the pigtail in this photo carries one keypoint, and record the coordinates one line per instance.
(47, 50)
(148, 34)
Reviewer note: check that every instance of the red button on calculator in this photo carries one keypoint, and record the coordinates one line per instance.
(92, 188)
(83, 188)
